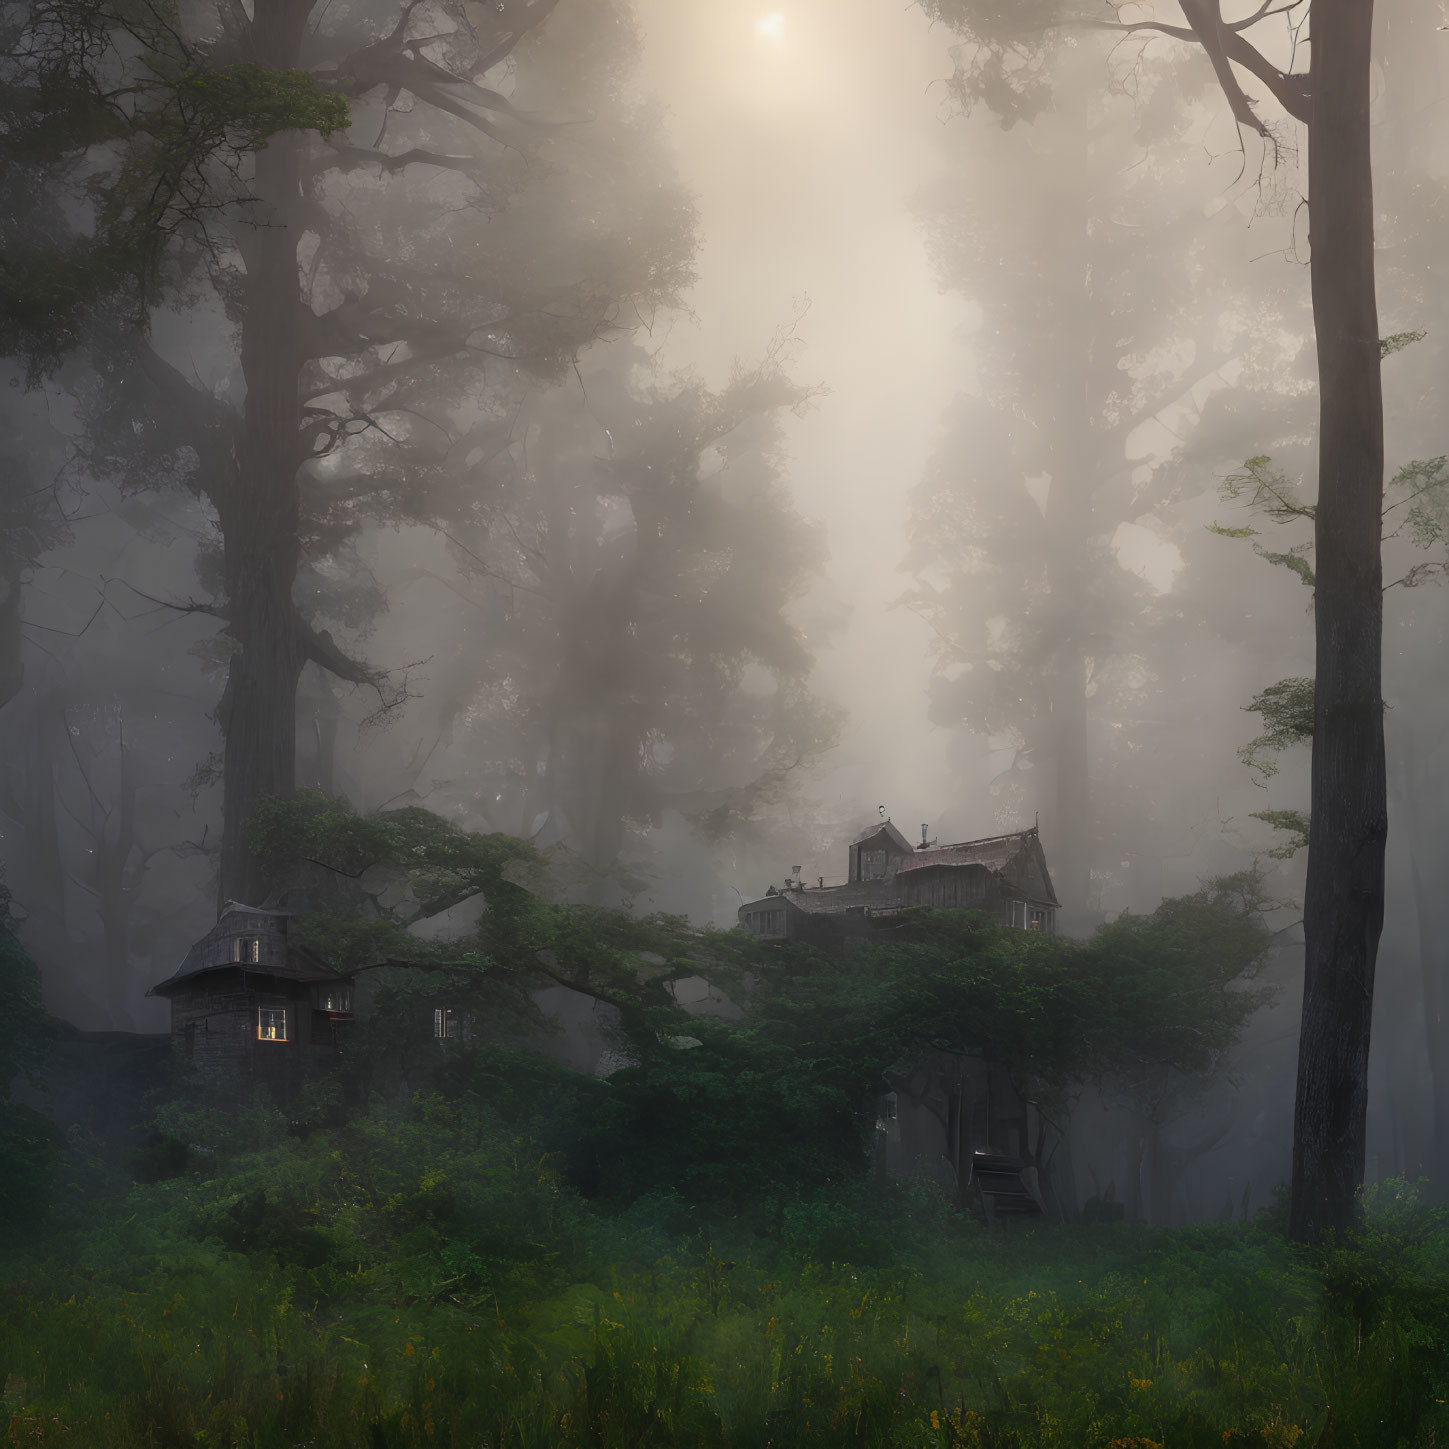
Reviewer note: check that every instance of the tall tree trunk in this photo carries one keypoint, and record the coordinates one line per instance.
(1344, 901)
(261, 512)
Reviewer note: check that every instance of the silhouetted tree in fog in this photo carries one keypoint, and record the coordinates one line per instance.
(636, 656)
(1095, 329)
(1345, 892)
(384, 285)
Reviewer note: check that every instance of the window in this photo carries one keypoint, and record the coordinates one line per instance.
(769, 922)
(445, 1023)
(334, 998)
(247, 950)
(271, 1023)
(872, 864)
(1036, 920)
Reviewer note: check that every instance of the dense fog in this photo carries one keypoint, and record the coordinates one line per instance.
(746, 426)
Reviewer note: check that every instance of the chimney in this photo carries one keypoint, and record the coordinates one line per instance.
(922, 845)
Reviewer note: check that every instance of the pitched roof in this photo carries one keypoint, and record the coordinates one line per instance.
(1006, 855)
(890, 830)
(281, 958)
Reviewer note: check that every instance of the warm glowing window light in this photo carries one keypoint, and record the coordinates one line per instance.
(771, 27)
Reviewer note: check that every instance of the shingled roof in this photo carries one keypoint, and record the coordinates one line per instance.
(1005, 855)
(831, 900)
(281, 958)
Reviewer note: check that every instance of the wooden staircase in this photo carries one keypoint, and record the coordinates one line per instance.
(1006, 1186)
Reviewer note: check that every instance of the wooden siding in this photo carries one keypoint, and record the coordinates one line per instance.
(948, 887)
(214, 1030)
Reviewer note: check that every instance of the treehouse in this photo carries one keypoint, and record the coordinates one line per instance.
(250, 1006)
(1004, 876)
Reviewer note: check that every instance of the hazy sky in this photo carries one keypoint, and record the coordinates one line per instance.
(804, 130)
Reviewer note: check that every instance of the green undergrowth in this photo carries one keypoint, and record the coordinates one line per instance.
(423, 1276)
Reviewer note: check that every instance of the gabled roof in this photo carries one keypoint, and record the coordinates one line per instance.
(894, 835)
(1012, 856)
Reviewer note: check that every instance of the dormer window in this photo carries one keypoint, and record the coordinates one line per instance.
(247, 950)
(872, 865)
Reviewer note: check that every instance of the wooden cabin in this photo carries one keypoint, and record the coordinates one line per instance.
(1005, 876)
(252, 1007)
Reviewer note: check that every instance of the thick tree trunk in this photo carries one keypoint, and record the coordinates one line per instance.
(260, 513)
(1344, 903)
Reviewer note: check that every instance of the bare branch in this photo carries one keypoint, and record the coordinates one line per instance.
(1222, 44)
(192, 606)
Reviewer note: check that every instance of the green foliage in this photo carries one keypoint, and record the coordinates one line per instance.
(443, 864)
(786, 1096)
(1267, 491)
(1294, 823)
(1397, 341)
(1286, 709)
(29, 1158)
(29, 1143)
(1421, 489)
(245, 105)
(421, 1276)
(23, 1019)
(1170, 983)
(1293, 560)
(174, 137)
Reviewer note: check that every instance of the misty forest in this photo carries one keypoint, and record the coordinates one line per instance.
(719, 725)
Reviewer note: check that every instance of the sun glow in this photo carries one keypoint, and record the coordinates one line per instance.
(771, 27)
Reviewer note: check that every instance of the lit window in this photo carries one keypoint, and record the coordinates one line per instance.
(444, 1022)
(271, 1023)
(1037, 921)
(334, 998)
(247, 950)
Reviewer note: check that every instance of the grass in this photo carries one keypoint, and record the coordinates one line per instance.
(403, 1283)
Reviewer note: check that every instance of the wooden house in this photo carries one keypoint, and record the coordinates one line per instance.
(1004, 876)
(250, 1006)
(948, 1111)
